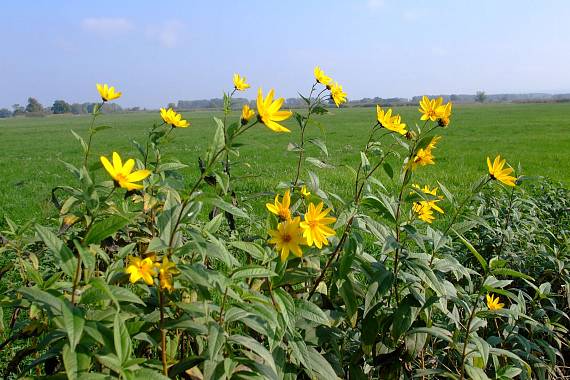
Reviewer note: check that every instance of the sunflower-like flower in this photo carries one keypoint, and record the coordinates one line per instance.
(337, 94)
(424, 156)
(315, 226)
(288, 237)
(321, 77)
(392, 123)
(173, 118)
(431, 203)
(240, 83)
(493, 302)
(166, 270)
(444, 114)
(141, 268)
(108, 93)
(496, 171)
(423, 211)
(305, 192)
(123, 174)
(268, 111)
(246, 114)
(281, 209)
(429, 107)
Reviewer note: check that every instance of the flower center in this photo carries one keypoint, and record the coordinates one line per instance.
(120, 177)
(286, 238)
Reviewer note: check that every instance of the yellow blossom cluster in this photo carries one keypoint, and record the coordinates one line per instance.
(292, 233)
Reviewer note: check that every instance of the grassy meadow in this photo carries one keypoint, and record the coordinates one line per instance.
(536, 136)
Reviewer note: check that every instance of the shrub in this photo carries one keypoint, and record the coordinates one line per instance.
(153, 275)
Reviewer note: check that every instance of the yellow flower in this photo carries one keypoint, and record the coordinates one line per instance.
(428, 108)
(321, 77)
(165, 271)
(281, 209)
(288, 238)
(305, 192)
(122, 173)
(493, 302)
(173, 118)
(315, 228)
(107, 93)
(141, 268)
(444, 114)
(497, 172)
(424, 156)
(392, 123)
(423, 211)
(337, 95)
(431, 203)
(268, 111)
(246, 114)
(239, 83)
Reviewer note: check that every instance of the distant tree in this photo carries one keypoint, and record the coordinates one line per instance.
(4, 113)
(60, 106)
(454, 98)
(77, 109)
(480, 96)
(171, 105)
(34, 106)
(18, 110)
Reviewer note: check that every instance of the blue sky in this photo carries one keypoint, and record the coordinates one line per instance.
(157, 52)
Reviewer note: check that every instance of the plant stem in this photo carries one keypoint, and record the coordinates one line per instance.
(303, 127)
(162, 332)
(467, 332)
(458, 212)
(96, 110)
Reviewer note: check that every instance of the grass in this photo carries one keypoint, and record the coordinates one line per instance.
(536, 136)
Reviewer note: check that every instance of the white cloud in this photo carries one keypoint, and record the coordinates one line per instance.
(106, 25)
(375, 4)
(168, 34)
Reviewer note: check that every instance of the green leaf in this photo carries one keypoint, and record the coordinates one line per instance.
(87, 257)
(218, 142)
(255, 250)
(437, 332)
(81, 141)
(63, 255)
(311, 312)
(364, 163)
(511, 273)
(104, 228)
(388, 169)
(51, 303)
(220, 203)
(319, 144)
(256, 347)
(318, 163)
(216, 340)
(252, 271)
(70, 362)
(472, 249)
(183, 365)
(402, 317)
(73, 321)
(320, 365)
(121, 338)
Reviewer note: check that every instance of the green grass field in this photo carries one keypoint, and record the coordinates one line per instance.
(535, 135)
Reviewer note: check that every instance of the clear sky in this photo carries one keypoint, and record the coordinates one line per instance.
(162, 51)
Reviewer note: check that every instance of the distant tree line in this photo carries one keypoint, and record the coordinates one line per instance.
(35, 108)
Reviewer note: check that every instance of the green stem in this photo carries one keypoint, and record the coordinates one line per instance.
(467, 332)
(162, 332)
(96, 110)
